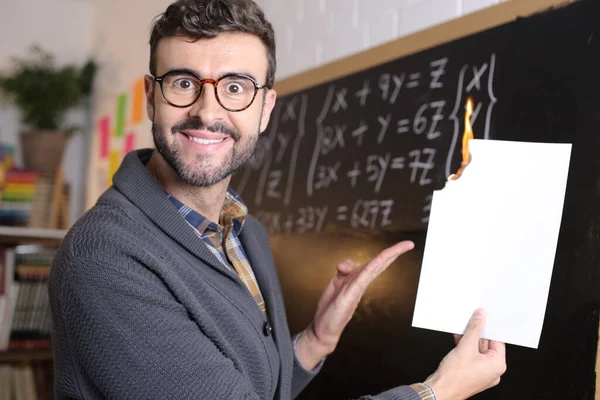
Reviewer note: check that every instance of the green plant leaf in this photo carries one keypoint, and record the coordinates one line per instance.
(45, 92)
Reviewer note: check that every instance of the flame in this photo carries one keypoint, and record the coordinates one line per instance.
(468, 135)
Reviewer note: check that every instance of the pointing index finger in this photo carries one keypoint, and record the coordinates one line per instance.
(388, 255)
(377, 265)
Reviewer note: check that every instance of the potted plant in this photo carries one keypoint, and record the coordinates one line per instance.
(44, 93)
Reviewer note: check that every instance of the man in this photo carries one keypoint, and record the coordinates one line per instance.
(167, 288)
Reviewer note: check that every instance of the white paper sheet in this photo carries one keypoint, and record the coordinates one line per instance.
(492, 239)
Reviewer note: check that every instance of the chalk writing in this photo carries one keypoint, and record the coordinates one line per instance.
(361, 151)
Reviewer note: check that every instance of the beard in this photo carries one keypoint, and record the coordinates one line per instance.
(202, 172)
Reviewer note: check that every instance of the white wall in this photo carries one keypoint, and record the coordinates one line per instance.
(309, 33)
(314, 32)
(120, 43)
(64, 28)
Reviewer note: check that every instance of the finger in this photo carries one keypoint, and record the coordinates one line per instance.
(484, 345)
(375, 267)
(498, 347)
(387, 256)
(345, 267)
(475, 327)
(457, 338)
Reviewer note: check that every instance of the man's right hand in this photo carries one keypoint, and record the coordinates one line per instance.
(473, 366)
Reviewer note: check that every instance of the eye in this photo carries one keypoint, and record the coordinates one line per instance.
(184, 84)
(235, 88)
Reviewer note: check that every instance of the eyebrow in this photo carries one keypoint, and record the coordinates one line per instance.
(240, 73)
(182, 71)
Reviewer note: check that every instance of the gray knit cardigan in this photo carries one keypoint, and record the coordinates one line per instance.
(143, 310)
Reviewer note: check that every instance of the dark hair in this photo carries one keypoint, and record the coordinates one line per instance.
(198, 19)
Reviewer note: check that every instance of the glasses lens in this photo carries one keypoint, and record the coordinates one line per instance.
(236, 92)
(181, 89)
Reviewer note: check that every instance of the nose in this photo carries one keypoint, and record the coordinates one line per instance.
(207, 107)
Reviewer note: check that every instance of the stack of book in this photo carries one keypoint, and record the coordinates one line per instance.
(31, 382)
(8, 294)
(26, 320)
(17, 197)
(41, 205)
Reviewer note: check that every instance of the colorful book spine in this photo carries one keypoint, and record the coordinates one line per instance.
(18, 192)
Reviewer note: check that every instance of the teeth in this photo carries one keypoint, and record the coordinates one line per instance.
(205, 141)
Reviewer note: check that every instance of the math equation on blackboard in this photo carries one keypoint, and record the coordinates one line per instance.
(367, 151)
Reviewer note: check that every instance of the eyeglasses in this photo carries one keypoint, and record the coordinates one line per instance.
(234, 92)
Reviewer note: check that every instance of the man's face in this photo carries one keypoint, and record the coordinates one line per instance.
(204, 143)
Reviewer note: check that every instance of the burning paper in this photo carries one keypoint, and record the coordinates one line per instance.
(492, 239)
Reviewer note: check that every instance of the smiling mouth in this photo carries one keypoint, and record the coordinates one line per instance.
(204, 141)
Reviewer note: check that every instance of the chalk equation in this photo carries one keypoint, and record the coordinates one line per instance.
(390, 135)
(369, 214)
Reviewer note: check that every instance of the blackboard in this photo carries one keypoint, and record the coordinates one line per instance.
(348, 166)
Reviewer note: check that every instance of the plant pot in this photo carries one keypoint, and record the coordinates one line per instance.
(43, 150)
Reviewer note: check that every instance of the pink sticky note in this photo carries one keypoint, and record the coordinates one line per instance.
(104, 128)
(129, 142)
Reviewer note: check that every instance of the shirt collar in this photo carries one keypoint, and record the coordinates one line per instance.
(234, 210)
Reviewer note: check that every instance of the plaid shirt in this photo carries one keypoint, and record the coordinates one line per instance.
(424, 391)
(222, 239)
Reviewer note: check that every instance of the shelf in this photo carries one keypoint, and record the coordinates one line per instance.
(17, 356)
(18, 235)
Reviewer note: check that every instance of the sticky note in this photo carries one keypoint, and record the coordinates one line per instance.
(120, 117)
(104, 139)
(129, 142)
(137, 106)
(113, 164)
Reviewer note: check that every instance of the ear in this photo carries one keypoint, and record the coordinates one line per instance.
(149, 88)
(268, 105)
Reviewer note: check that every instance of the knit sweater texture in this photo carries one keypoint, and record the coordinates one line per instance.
(143, 310)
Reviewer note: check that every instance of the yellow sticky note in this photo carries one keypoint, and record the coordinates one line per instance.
(113, 164)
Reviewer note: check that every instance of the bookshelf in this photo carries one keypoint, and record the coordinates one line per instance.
(49, 211)
(15, 236)
(26, 367)
(23, 235)
(20, 356)
(34, 213)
